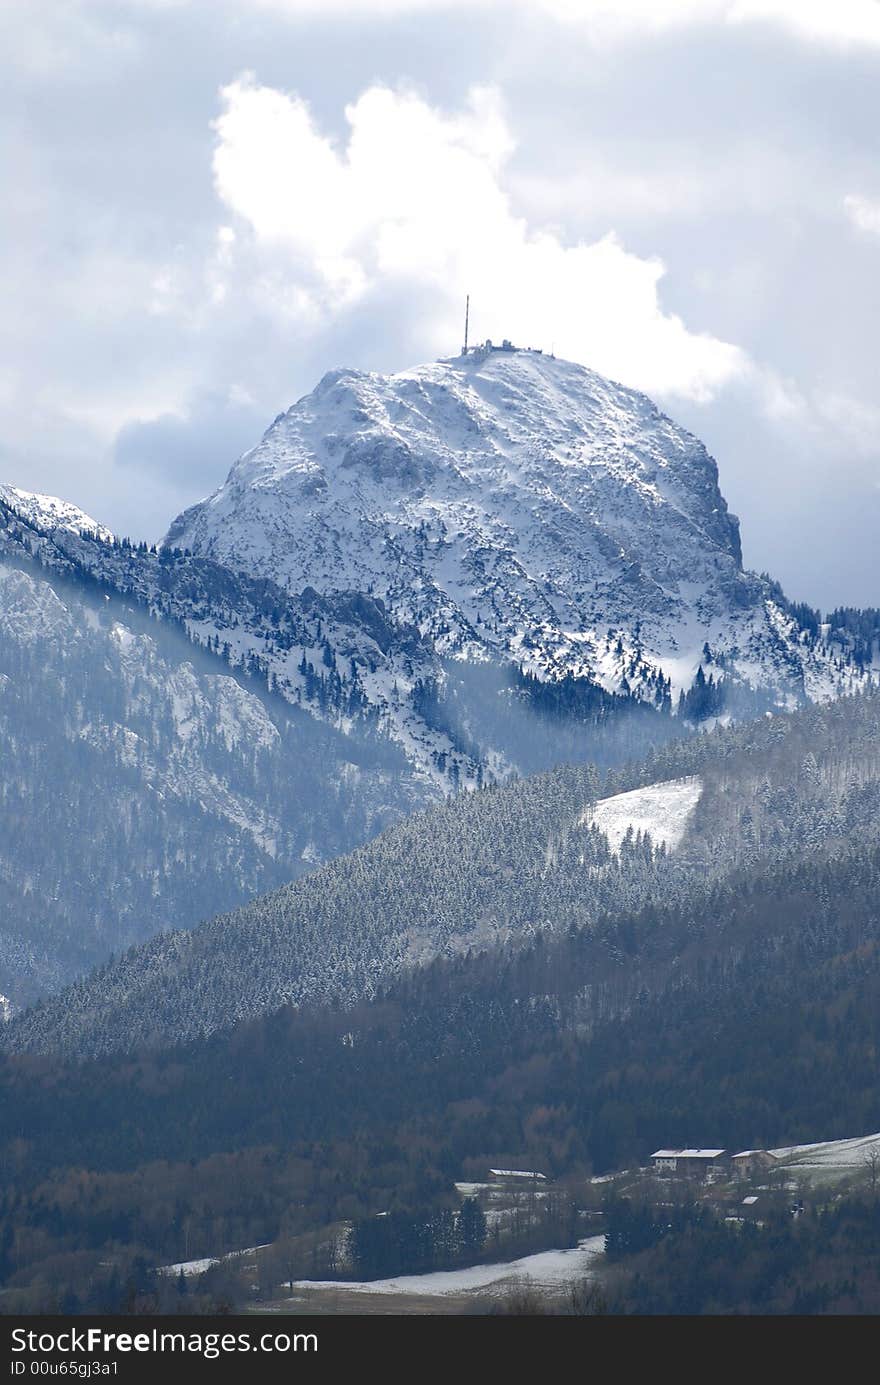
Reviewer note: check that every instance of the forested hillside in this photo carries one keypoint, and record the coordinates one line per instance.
(209, 735)
(145, 785)
(822, 1261)
(178, 738)
(504, 864)
(752, 1022)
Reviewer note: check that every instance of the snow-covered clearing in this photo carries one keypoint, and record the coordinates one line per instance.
(550, 1269)
(194, 1267)
(188, 1267)
(664, 810)
(830, 1154)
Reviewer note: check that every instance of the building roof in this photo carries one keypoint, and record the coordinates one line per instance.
(518, 1173)
(746, 1153)
(687, 1153)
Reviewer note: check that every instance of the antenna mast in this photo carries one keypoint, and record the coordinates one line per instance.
(467, 313)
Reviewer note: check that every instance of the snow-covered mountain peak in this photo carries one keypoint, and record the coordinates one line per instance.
(506, 503)
(488, 429)
(50, 513)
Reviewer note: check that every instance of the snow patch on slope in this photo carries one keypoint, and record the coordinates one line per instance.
(664, 810)
(5, 1010)
(190, 1268)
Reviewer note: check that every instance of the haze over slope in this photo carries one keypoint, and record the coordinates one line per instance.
(145, 783)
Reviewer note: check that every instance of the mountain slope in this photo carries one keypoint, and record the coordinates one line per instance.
(206, 735)
(488, 565)
(499, 866)
(756, 1028)
(144, 783)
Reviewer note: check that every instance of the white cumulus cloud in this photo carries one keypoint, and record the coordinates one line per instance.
(863, 212)
(416, 196)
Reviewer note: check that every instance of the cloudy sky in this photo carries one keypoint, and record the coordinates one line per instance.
(211, 202)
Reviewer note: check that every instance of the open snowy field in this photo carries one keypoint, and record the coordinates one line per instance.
(550, 1269)
(830, 1155)
(664, 810)
(189, 1268)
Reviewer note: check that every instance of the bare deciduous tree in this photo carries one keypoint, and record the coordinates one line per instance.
(871, 1162)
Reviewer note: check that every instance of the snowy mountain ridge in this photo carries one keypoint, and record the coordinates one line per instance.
(50, 513)
(338, 657)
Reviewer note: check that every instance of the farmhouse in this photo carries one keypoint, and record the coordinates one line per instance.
(691, 1163)
(751, 1161)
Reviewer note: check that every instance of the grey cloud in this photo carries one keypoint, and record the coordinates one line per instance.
(194, 450)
